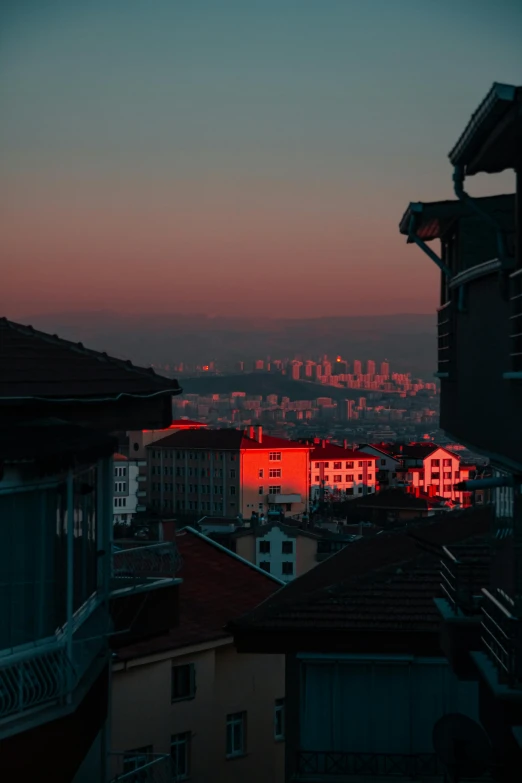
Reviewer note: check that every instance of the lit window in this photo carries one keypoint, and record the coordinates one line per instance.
(236, 734)
(180, 755)
(274, 456)
(183, 682)
(279, 719)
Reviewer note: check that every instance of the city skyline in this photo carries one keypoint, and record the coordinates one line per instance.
(234, 157)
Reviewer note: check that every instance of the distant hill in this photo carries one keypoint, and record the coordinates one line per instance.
(406, 340)
(265, 383)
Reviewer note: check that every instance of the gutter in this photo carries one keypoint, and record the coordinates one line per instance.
(412, 236)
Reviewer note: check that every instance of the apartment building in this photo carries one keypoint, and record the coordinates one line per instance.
(65, 596)
(423, 467)
(189, 694)
(479, 326)
(337, 472)
(227, 472)
(126, 489)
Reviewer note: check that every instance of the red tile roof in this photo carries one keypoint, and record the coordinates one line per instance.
(217, 587)
(332, 451)
(409, 450)
(381, 583)
(36, 365)
(223, 440)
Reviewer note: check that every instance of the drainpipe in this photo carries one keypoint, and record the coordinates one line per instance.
(458, 187)
(412, 236)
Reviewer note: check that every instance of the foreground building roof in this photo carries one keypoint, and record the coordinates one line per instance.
(331, 451)
(217, 586)
(223, 440)
(38, 366)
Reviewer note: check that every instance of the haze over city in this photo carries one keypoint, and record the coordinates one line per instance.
(233, 158)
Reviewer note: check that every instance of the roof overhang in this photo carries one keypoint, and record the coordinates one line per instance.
(491, 141)
(432, 219)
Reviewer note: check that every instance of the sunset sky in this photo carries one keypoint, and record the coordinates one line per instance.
(246, 156)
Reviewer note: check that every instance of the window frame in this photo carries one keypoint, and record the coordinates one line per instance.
(191, 682)
(279, 717)
(274, 456)
(234, 719)
(181, 740)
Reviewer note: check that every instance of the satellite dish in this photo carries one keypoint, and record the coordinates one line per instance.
(462, 746)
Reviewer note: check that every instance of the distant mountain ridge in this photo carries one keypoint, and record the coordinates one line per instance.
(406, 340)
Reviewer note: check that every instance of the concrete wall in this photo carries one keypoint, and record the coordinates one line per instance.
(226, 682)
(294, 466)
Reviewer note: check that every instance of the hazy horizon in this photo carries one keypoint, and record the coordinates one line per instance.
(253, 158)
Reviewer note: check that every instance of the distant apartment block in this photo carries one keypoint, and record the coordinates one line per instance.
(340, 473)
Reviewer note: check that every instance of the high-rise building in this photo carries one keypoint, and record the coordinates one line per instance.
(370, 367)
(385, 369)
(295, 370)
(357, 367)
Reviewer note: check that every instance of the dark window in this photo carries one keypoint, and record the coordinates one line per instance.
(260, 491)
(337, 465)
(287, 547)
(183, 682)
(383, 462)
(264, 547)
(265, 565)
(349, 466)
(279, 719)
(236, 744)
(288, 568)
(180, 755)
(134, 759)
(360, 477)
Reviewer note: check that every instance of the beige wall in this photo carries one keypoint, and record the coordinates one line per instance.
(226, 682)
(306, 551)
(294, 466)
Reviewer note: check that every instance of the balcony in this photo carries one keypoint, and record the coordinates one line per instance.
(515, 317)
(143, 768)
(281, 499)
(144, 591)
(502, 640)
(445, 331)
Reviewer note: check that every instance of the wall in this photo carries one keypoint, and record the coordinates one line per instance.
(303, 556)
(294, 480)
(226, 682)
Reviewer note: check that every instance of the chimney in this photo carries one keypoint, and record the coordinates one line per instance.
(323, 443)
(258, 433)
(251, 433)
(345, 444)
(401, 447)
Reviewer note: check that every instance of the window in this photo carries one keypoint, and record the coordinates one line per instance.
(274, 456)
(359, 464)
(447, 474)
(265, 565)
(370, 476)
(260, 491)
(349, 466)
(232, 490)
(383, 462)
(318, 478)
(236, 734)
(180, 755)
(359, 491)
(119, 472)
(317, 465)
(120, 486)
(264, 547)
(327, 479)
(275, 490)
(261, 473)
(446, 463)
(349, 477)
(279, 719)
(183, 682)
(337, 465)
(435, 475)
(287, 568)
(360, 477)
(457, 474)
(349, 491)
(435, 463)
(274, 473)
(134, 759)
(326, 464)
(287, 547)
(337, 479)
(447, 487)
(232, 474)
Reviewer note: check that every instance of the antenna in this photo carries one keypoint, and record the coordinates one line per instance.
(462, 746)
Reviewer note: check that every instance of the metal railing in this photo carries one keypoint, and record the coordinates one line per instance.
(134, 565)
(502, 639)
(34, 679)
(463, 575)
(515, 320)
(145, 768)
(311, 764)
(445, 337)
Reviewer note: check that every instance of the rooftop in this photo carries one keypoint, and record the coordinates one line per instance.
(223, 440)
(409, 450)
(217, 586)
(332, 451)
(395, 498)
(39, 366)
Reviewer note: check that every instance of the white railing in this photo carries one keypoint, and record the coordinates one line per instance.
(154, 560)
(145, 768)
(34, 678)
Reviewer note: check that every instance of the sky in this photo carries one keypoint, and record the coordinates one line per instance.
(247, 157)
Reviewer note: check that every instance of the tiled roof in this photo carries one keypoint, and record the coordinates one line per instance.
(120, 458)
(381, 583)
(217, 587)
(332, 451)
(36, 365)
(222, 440)
(397, 499)
(410, 450)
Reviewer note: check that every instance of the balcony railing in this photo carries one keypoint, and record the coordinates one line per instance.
(135, 565)
(502, 639)
(320, 765)
(145, 768)
(445, 338)
(464, 572)
(515, 319)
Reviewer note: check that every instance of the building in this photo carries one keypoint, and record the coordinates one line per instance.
(395, 503)
(189, 693)
(228, 472)
(370, 368)
(66, 592)
(286, 551)
(385, 370)
(140, 439)
(387, 465)
(426, 466)
(480, 259)
(340, 473)
(126, 489)
(365, 678)
(357, 367)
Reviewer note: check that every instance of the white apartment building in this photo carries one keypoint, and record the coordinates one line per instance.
(338, 472)
(126, 489)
